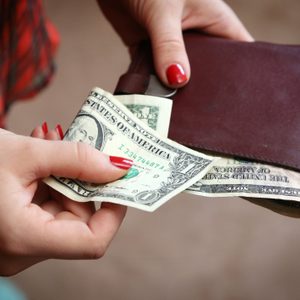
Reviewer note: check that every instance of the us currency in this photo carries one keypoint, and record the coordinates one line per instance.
(155, 112)
(161, 170)
(233, 177)
(228, 177)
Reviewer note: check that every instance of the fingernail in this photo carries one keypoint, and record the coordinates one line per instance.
(59, 131)
(121, 162)
(45, 127)
(176, 74)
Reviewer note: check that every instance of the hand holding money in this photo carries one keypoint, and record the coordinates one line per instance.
(161, 169)
(36, 222)
(145, 186)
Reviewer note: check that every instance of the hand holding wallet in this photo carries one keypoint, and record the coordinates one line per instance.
(243, 99)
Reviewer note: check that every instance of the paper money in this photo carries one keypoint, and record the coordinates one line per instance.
(232, 177)
(161, 170)
(153, 111)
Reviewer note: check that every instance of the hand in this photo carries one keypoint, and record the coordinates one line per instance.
(37, 223)
(163, 21)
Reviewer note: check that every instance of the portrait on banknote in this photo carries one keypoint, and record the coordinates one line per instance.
(86, 129)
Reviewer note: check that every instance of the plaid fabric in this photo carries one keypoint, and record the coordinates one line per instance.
(27, 45)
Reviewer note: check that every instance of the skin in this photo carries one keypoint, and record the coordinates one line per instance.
(164, 20)
(36, 223)
(82, 134)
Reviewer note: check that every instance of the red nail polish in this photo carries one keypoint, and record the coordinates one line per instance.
(45, 127)
(121, 162)
(59, 131)
(176, 74)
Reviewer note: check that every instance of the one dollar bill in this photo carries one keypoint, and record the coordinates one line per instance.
(161, 170)
(233, 177)
(155, 112)
(228, 177)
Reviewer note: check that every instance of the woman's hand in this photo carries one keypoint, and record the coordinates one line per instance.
(163, 21)
(37, 223)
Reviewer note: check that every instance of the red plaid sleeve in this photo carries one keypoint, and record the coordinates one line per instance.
(27, 45)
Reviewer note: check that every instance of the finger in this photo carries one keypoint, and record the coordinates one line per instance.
(60, 132)
(229, 26)
(38, 132)
(107, 220)
(170, 58)
(69, 239)
(42, 132)
(74, 160)
(52, 207)
(73, 239)
(60, 203)
(84, 211)
(216, 18)
(53, 135)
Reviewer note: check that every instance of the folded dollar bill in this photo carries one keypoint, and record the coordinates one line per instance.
(161, 170)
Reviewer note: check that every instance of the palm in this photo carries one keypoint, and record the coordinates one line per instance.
(61, 207)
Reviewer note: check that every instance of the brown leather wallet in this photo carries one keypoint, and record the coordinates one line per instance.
(243, 100)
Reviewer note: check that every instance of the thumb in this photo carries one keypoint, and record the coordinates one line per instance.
(170, 58)
(76, 160)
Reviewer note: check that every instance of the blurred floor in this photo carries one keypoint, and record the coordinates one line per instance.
(192, 247)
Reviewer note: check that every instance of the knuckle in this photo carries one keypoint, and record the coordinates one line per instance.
(229, 25)
(168, 44)
(98, 250)
(82, 152)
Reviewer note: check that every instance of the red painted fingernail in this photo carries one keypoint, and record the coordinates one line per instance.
(121, 162)
(176, 74)
(59, 131)
(45, 127)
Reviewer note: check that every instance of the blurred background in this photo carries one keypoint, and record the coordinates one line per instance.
(192, 247)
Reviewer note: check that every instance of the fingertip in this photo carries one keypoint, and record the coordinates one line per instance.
(59, 131)
(170, 58)
(53, 135)
(38, 132)
(108, 219)
(176, 75)
(249, 37)
(118, 209)
(79, 161)
(172, 66)
(241, 34)
(45, 127)
(121, 162)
